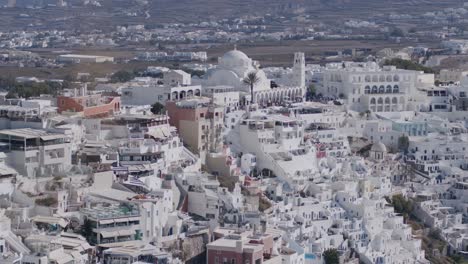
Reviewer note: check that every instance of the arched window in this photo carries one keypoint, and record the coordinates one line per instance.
(387, 100)
(388, 89)
(380, 100)
(367, 89)
(394, 100)
(389, 78)
(382, 78)
(396, 89)
(375, 78)
(382, 89)
(367, 78)
(372, 101)
(396, 78)
(374, 89)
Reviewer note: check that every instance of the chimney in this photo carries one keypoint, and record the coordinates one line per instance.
(84, 89)
(239, 246)
(263, 223)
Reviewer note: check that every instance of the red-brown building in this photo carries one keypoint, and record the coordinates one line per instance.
(240, 248)
(93, 105)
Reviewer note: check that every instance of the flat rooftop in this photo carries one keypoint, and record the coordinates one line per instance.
(112, 211)
(79, 56)
(28, 133)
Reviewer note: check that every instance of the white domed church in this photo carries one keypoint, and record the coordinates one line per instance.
(235, 65)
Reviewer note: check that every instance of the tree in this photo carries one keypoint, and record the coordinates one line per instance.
(403, 143)
(408, 65)
(157, 108)
(331, 256)
(251, 79)
(457, 258)
(311, 91)
(122, 76)
(86, 229)
(368, 113)
(46, 201)
(397, 32)
(401, 205)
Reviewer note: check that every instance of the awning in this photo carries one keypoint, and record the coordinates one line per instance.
(121, 220)
(166, 131)
(105, 222)
(50, 220)
(107, 234)
(52, 137)
(126, 232)
(156, 133)
(134, 218)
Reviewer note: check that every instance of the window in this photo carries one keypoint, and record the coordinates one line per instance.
(233, 261)
(216, 259)
(367, 89)
(382, 89)
(202, 115)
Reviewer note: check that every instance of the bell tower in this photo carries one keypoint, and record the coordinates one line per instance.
(299, 70)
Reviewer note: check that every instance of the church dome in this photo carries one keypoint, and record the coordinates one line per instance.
(237, 61)
(379, 147)
(235, 55)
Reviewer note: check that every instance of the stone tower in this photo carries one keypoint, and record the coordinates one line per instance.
(299, 70)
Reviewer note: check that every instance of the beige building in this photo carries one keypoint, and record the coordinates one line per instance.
(78, 58)
(200, 124)
(451, 75)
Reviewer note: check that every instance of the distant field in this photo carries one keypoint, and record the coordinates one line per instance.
(281, 53)
(267, 53)
(97, 70)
